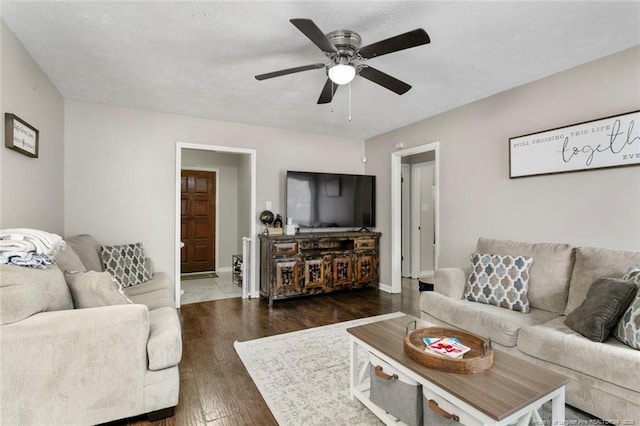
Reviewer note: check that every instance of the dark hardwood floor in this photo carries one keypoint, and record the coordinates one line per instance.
(215, 388)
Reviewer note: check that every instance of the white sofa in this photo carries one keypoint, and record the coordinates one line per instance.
(60, 365)
(604, 377)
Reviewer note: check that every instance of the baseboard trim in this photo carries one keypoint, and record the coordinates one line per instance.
(386, 288)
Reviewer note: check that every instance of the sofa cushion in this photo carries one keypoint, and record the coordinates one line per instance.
(501, 325)
(68, 260)
(164, 346)
(126, 263)
(88, 250)
(93, 289)
(556, 343)
(628, 328)
(594, 263)
(155, 293)
(499, 280)
(451, 281)
(28, 291)
(549, 274)
(606, 300)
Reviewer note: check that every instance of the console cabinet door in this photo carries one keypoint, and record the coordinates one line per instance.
(315, 273)
(342, 268)
(287, 276)
(366, 267)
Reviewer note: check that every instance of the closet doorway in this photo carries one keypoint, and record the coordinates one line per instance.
(418, 215)
(416, 243)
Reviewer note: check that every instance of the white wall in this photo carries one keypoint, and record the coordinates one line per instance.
(592, 208)
(32, 193)
(120, 169)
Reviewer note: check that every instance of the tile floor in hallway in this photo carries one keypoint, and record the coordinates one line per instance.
(204, 289)
(222, 287)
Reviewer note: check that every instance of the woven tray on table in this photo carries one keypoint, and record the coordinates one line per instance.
(477, 360)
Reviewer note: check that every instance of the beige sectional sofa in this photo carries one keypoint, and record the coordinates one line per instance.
(604, 377)
(60, 365)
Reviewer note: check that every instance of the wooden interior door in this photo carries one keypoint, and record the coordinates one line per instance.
(197, 221)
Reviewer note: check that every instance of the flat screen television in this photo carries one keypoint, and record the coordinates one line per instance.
(330, 200)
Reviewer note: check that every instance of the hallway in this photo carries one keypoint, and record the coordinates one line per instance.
(205, 289)
(222, 287)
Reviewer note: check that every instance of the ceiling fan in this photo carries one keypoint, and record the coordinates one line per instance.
(347, 58)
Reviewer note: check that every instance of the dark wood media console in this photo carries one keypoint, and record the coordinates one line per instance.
(313, 263)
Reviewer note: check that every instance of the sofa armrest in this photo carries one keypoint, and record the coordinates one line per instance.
(451, 281)
(82, 366)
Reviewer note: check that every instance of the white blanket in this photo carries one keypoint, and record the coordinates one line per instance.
(16, 246)
(30, 240)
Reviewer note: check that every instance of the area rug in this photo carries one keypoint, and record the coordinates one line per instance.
(303, 376)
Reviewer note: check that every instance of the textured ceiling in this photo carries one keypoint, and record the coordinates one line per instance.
(200, 58)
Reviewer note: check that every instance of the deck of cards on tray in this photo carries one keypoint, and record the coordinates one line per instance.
(445, 346)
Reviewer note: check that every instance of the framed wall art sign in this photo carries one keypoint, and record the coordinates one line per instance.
(607, 142)
(20, 135)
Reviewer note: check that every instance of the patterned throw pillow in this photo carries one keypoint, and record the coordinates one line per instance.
(499, 280)
(628, 328)
(126, 263)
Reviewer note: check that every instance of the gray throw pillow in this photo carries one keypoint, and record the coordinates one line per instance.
(69, 261)
(28, 291)
(92, 289)
(88, 250)
(606, 300)
(126, 263)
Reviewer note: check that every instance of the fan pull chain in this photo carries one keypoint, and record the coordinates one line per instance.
(332, 97)
(349, 101)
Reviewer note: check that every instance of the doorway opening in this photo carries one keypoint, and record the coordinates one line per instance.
(414, 213)
(216, 217)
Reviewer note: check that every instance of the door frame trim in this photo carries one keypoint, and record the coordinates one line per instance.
(252, 290)
(215, 170)
(396, 210)
(416, 186)
(405, 221)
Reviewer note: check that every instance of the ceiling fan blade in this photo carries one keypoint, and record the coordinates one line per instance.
(400, 42)
(328, 91)
(384, 80)
(289, 71)
(313, 33)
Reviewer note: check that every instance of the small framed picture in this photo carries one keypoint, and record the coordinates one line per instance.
(20, 135)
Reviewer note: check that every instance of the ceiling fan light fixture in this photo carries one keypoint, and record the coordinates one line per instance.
(342, 73)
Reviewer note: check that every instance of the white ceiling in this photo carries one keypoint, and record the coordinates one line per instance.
(200, 58)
